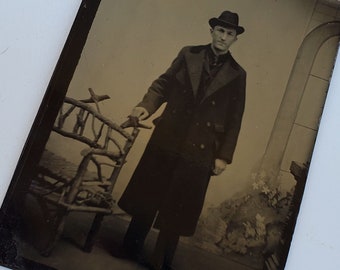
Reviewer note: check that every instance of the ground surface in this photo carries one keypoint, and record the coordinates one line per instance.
(67, 254)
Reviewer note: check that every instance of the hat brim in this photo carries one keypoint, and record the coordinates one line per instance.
(215, 21)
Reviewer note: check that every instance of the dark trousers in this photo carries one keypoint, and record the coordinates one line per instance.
(166, 244)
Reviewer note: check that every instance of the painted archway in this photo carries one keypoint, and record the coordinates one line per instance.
(272, 159)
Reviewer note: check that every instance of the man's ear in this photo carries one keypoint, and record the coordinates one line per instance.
(236, 38)
(211, 30)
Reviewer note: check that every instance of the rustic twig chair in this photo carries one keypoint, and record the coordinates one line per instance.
(61, 186)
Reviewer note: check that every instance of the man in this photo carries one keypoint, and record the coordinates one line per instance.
(194, 138)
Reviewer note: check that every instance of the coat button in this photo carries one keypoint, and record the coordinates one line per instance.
(197, 124)
(208, 124)
(213, 102)
(173, 111)
(202, 146)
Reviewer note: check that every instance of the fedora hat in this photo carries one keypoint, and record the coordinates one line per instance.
(227, 19)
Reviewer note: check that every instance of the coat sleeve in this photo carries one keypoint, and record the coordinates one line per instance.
(158, 92)
(234, 120)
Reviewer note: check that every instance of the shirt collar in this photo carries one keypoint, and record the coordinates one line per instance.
(217, 59)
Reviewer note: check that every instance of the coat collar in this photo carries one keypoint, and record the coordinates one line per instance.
(195, 60)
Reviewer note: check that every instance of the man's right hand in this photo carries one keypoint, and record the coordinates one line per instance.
(139, 112)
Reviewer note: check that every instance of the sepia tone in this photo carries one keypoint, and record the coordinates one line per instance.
(288, 51)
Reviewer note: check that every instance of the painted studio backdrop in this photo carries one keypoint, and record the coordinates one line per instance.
(288, 51)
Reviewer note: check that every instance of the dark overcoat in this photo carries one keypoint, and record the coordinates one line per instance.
(173, 174)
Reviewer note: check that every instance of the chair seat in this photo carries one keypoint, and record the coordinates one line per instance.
(92, 192)
(57, 167)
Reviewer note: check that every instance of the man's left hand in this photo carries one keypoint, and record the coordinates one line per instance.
(219, 167)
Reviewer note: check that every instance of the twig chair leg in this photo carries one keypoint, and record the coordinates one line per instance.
(93, 232)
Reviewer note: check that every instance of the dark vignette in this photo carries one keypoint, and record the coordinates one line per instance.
(38, 136)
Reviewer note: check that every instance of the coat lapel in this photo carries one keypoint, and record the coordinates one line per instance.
(195, 62)
(225, 75)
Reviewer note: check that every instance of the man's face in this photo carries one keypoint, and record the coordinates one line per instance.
(222, 38)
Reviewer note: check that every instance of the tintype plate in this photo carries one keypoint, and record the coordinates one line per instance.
(55, 218)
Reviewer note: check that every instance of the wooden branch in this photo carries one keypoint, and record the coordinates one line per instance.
(97, 97)
(99, 116)
(102, 152)
(96, 183)
(76, 137)
(62, 117)
(88, 209)
(79, 121)
(117, 144)
(107, 137)
(96, 135)
(90, 100)
(77, 180)
(127, 147)
(81, 132)
(69, 207)
(99, 169)
(109, 164)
